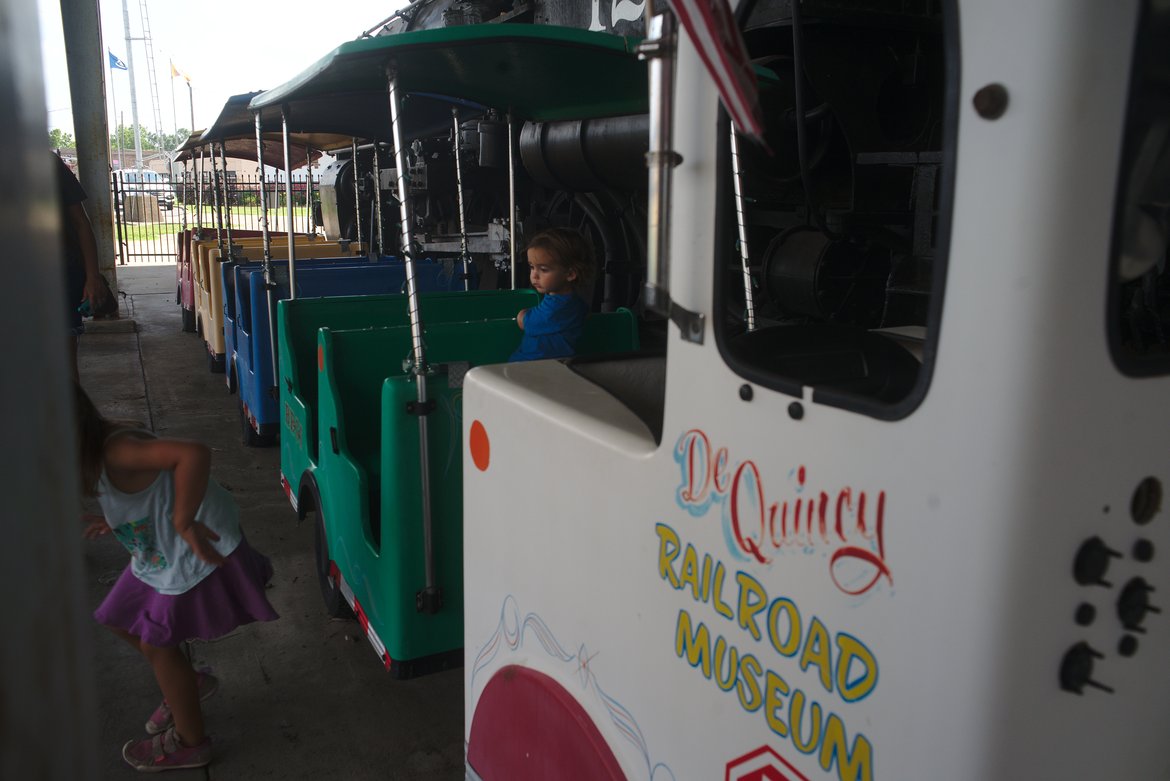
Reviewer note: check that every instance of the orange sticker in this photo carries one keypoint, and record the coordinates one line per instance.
(481, 448)
(320, 358)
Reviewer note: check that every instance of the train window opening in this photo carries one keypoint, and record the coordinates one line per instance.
(1139, 289)
(847, 218)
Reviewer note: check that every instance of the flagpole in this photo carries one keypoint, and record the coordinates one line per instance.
(114, 96)
(174, 110)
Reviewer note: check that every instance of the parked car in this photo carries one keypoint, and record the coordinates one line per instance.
(147, 182)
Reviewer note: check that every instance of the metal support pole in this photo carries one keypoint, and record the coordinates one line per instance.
(741, 221)
(87, 96)
(660, 49)
(133, 91)
(269, 277)
(511, 203)
(218, 206)
(183, 197)
(378, 199)
(267, 237)
(292, 251)
(357, 201)
(310, 228)
(119, 216)
(462, 213)
(199, 171)
(227, 201)
(430, 598)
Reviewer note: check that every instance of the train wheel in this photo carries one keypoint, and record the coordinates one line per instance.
(251, 437)
(335, 604)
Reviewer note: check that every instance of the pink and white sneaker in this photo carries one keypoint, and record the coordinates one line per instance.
(162, 718)
(166, 752)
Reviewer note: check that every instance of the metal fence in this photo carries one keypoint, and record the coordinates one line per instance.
(150, 212)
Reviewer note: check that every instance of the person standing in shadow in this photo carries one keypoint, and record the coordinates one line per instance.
(85, 290)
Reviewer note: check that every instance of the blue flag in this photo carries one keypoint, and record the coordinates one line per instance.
(115, 63)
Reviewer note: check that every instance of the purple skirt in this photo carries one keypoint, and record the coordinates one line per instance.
(231, 596)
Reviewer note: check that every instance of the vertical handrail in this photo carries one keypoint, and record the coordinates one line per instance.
(741, 221)
(183, 197)
(269, 277)
(357, 201)
(430, 599)
(292, 253)
(377, 164)
(227, 201)
(218, 206)
(267, 237)
(462, 212)
(310, 228)
(511, 203)
(199, 171)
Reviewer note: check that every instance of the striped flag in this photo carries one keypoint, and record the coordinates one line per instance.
(711, 27)
(115, 63)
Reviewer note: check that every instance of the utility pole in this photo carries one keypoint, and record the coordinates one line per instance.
(133, 92)
(151, 70)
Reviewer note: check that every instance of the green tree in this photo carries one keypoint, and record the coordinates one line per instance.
(172, 141)
(122, 136)
(125, 133)
(59, 139)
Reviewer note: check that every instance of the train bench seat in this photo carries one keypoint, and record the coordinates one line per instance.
(298, 321)
(368, 479)
(237, 297)
(212, 297)
(253, 361)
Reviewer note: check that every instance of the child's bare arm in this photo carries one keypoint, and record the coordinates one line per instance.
(520, 318)
(95, 525)
(129, 459)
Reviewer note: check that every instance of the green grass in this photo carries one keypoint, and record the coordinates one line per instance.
(243, 217)
(148, 231)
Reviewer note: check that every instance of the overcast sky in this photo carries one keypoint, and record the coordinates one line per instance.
(226, 46)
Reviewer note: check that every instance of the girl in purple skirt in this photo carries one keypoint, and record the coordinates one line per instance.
(191, 574)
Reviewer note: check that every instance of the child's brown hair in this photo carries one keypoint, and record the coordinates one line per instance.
(570, 248)
(93, 429)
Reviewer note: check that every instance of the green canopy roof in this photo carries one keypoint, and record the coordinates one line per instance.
(539, 72)
(235, 128)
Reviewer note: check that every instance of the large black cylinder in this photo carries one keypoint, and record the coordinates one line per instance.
(587, 155)
(807, 274)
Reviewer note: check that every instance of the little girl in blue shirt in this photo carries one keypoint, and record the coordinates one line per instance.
(191, 574)
(560, 263)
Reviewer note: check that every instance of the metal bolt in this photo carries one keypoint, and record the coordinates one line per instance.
(991, 101)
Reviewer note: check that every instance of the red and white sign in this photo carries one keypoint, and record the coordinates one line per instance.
(763, 764)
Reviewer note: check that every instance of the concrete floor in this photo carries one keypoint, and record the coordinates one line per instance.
(304, 697)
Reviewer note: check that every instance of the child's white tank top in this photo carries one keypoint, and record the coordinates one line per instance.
(142, 522)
